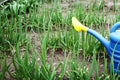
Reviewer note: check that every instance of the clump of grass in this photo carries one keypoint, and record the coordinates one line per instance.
(9, 34)
(12, 26)
(4, 68)
(77, 71)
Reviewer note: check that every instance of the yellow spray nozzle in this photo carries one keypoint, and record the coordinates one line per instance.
(78, 26)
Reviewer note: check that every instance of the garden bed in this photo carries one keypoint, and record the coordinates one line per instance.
(42, 44)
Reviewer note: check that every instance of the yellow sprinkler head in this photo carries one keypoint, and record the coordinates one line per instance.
(78, 26)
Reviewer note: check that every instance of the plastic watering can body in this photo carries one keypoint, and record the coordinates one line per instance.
(114, 50)
(112, 46)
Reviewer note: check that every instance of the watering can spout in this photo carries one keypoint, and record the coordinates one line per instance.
(79, 27)
(100, 38)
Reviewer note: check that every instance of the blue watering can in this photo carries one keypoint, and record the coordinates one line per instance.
(112, 46)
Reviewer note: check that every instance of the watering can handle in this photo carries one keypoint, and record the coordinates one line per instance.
(115, 27)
